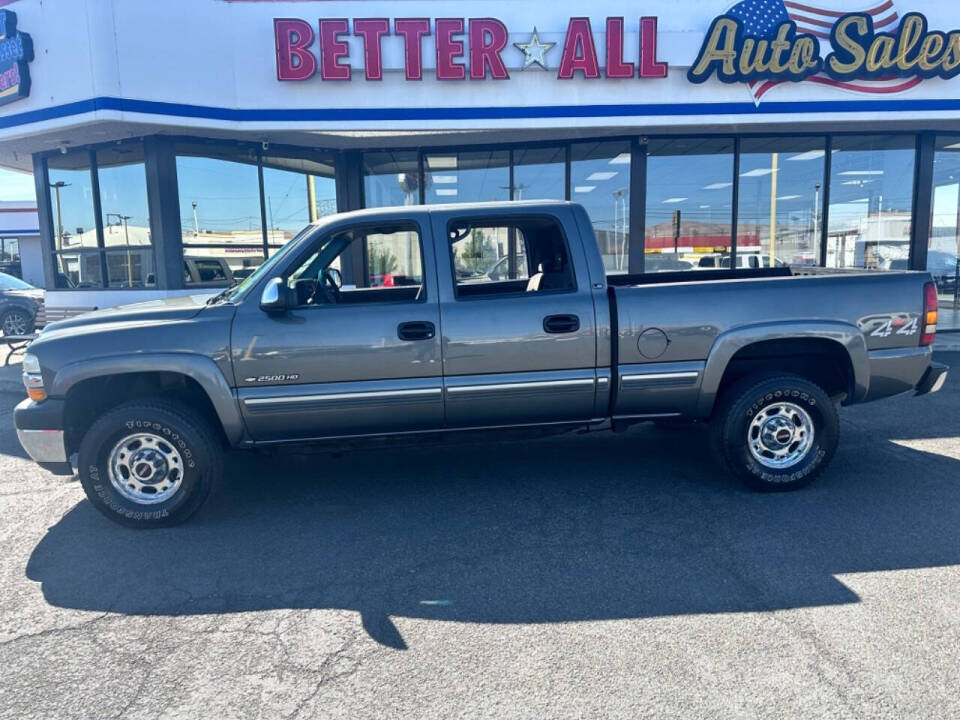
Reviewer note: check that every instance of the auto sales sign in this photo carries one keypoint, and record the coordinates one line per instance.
(16, 52)
(757, 43)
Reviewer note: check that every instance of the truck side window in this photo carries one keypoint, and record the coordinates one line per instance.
(515, 256)
(368, 264)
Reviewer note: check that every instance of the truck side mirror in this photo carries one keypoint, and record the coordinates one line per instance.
(274, 297)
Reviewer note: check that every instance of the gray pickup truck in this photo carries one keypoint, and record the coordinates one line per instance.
(384, 323)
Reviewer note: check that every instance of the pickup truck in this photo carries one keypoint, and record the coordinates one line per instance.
(145, 399)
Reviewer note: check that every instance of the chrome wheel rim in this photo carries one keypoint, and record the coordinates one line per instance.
(145, 468)
(15, 323)
(780, 435)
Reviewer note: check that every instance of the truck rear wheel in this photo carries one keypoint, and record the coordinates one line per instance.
(776, 433)
(148, 464)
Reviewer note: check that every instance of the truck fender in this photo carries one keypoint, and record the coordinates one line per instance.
(198, 367)
(729, 343)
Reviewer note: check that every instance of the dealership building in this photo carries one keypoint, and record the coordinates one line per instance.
(176, 145)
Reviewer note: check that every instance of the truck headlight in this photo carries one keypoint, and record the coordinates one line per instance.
(33, 378)
(31, 364)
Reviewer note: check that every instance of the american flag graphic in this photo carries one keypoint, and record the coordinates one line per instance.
(761, 18)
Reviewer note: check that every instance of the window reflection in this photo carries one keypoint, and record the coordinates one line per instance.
(943, 250)
(781, 180)
(391, 178)
(10, 250)
(220, 216)
(297, 192)
(71, 201)
(871, 201)
(79, 269)
(125, 218)
(119, 256)
(539, 174)
(600, 181)
(689, 209)
(478, 176)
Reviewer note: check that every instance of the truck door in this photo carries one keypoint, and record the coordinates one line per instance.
(359, 353)
(521, 349)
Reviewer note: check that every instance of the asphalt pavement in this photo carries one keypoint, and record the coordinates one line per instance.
(582, 576)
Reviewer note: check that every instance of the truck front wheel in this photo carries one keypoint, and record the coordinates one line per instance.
(776, 433)
(148, 464)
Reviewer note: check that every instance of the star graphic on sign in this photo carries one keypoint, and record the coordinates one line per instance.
(534, 51)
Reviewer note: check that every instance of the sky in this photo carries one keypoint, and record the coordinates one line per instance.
(16, 186)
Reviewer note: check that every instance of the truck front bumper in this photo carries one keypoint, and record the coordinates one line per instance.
(933, 379)
(40, 431)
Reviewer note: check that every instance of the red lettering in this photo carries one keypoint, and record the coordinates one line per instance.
(293, 38)
(616, 67)
(448, 49)
(579, 52)
(413, 30)
(483, 53)
(650, 67)
(371, 30)
(332, 48)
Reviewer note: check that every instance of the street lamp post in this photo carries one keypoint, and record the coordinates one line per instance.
(56, 190)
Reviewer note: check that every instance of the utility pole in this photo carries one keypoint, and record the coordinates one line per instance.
(196, 225)
(56, 190)
(676, 232)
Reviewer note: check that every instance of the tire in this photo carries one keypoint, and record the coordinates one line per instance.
(761, 431)
(177, 449)
(16, 321)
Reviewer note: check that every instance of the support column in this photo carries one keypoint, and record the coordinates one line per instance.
(45, 218)
(163, 201)
(348, 177)
(922, 202)
(636, 257)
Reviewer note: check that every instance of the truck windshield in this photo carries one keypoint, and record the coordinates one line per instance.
(239, 291)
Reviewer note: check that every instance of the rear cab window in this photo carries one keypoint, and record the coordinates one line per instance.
(511, 256)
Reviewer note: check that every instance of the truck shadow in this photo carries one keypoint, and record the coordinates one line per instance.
(574, 528)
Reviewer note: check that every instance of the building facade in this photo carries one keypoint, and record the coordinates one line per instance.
(177, 145)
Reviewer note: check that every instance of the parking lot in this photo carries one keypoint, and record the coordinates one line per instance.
(581, 576)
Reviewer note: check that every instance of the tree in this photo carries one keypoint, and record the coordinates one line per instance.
(382, 261)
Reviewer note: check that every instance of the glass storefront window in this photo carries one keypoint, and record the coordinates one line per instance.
(79, 269)
(125, 217)
(10, 250)
(871, 201)
(391, 178)
(220, 213)
(477, 176)
(539, 173)
(297, 192)
(600, 181)
(121, 254)
(71, 197)
(780, 187)
(689, 209)
(943, 250)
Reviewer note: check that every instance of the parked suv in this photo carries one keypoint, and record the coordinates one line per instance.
(20, 305)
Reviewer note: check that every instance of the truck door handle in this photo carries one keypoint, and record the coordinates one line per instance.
(558, 324)
(418, 330)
